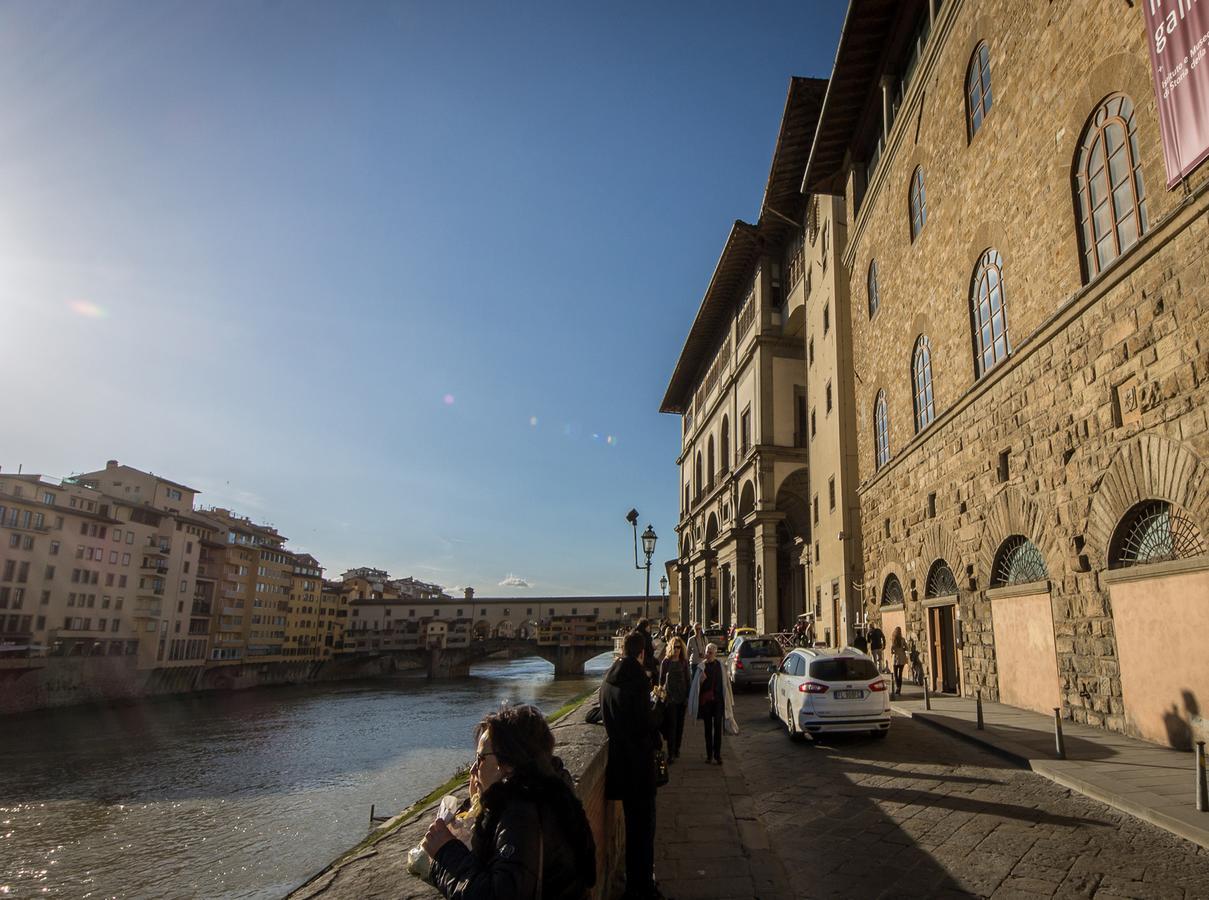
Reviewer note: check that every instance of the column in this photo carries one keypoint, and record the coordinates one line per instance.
(767, 605)
(744, 586)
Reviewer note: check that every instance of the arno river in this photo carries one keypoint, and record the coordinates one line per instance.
(238, 795)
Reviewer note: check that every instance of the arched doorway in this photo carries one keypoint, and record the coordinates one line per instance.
(793, 539)
(940, 601)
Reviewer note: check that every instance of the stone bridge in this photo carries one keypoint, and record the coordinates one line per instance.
(568, 658)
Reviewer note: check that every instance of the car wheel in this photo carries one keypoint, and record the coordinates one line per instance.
(794, 734)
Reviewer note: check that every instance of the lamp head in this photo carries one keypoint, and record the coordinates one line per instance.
(632, 516)
(648, 541)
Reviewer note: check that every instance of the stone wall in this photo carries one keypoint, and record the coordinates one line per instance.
(1102, 401)
(378, 867)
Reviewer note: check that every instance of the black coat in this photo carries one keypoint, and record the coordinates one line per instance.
(503, 860)
(625, 704)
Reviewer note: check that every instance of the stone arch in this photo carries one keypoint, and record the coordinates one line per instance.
(711, 529)
(1150, 467)
(1010, 513)
(896, 569)
(936, 543)
(747, 500)
(791, 499)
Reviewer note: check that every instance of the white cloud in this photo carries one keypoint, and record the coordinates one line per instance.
(514, 581)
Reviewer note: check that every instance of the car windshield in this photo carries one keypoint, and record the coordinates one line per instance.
(759, 648)
(843, 669)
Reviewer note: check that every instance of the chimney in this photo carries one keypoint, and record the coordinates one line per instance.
(469, 592)
(111, 464)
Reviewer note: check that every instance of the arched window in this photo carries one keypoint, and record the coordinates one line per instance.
(709, 460)
(687, 497)
(978, 88)
(919, 202)
(1111, 198)
(881, 430)
(1018, 561)
(892, 592)
(1154, 531)
(725, 444)
(921, 378)
(941, 582)
(874, 299)
(988, 311)
(698, 484)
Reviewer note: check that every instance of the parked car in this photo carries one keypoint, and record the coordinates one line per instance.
(752, 658)
(817, 690)
(716, 635)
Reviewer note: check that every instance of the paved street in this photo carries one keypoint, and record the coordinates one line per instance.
(921, 814)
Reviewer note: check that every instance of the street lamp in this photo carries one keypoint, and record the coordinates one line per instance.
(663, 594)
(648, 548)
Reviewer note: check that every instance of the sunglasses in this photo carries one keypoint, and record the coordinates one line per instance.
(480, 758)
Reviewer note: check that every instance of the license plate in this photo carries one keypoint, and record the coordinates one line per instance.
(849, 695)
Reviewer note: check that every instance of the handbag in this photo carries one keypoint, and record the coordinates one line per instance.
(661, 773)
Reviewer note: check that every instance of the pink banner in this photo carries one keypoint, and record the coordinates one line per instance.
(1179, 39)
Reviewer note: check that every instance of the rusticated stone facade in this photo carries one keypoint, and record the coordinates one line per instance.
(1101, 400)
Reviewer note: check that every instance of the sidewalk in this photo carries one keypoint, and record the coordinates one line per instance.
(1145, 780)
(708, 841)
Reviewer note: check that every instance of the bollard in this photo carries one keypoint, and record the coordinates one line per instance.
(1059, 743)
(1202, 787)
(927, 696)
(978, 708)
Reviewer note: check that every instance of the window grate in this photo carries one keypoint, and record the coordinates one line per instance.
(1018, 561)
(1154, 531)
(941, 582)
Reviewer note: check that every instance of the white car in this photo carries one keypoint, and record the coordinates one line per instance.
(820, 690)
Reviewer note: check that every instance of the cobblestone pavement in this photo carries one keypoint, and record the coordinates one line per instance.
(920, 814)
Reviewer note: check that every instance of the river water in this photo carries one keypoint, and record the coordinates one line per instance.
(236, 795)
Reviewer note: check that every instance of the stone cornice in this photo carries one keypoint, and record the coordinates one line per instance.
(1025, 589)
(1156, 570)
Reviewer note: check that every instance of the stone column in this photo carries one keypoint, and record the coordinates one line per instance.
(767, 602)
(744, 586)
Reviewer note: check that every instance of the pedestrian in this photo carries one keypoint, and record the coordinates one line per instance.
(917, 666)
(898, 655)
(532, 838)
(674, 679)
(859, 641)
(625, 705)
(652, 667)
(877, 646)
(659, 642)
(696, 646)
(711, 702)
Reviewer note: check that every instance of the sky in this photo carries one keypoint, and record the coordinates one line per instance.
(405, 280)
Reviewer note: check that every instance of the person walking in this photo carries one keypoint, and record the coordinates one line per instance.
(877, 647)
(860, 642)
(674, 678)
(696, 646)
(532, 838)
(652, 667)
(898, 656)
(625, 706)
(711, 703)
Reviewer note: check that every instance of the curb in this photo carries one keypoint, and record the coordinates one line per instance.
(1058, 773)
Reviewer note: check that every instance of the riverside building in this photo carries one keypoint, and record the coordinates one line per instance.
(761, 398)
(1029, 326)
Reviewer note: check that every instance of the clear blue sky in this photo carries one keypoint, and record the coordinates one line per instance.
(406, 280)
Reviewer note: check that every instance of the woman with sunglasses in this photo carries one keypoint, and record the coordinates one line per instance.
(532, 838)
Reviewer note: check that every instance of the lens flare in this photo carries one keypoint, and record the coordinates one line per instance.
(87, 309)
(533, 421)
(447, 399)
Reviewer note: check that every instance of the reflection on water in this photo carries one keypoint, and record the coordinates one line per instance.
(243, 794)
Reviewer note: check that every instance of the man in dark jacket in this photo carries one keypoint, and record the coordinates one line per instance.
(625, 704)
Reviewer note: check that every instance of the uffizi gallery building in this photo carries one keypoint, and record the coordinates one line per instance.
(953, 380)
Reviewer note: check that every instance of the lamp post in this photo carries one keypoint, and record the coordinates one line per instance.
(648, 548)
(663, 595)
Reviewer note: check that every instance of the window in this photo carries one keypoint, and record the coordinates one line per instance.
(1018, 561)
(1154, 531)
(919, 202)
(989, 311)
(826, 317)
(745, 429)
(709, 461)
(828, 397)
(698, 483)
(810, 353)
(724, 445)
(872, 284)
(815, 507)
(831, 492)
(881, 430)
(978, 88)
(812, 424)
(1111, 197)
(921, 377)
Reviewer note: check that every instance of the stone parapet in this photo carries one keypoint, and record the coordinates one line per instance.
(378, 866)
